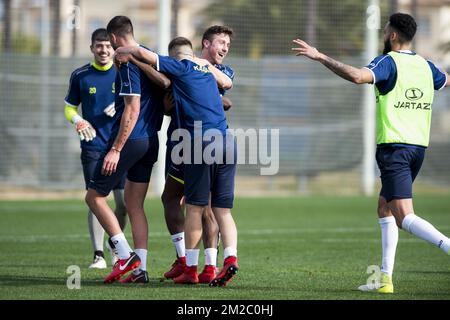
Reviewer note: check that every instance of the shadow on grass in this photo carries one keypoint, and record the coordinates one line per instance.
(26, 281)
(31, 281)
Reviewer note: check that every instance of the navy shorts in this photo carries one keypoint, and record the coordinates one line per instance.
(176, 171)
(399, 166)
(216, 178)
(137, 158)
(89, 160)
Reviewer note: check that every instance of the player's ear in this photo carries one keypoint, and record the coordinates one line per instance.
(393, 36)
(112, 38)
(206, 43)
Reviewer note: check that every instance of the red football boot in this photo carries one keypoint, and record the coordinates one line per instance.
(122, 266)
(177, 268)
(230, 268)
(141, 277)
(208, 274)
(189, 276)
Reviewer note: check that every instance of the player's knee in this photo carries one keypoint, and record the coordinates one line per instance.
(383, 209)
(90, 199)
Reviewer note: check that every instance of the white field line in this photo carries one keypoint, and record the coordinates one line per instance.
(255, 232)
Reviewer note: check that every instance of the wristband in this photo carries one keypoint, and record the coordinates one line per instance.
(76, 118)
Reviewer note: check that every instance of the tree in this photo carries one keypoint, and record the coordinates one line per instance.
(7, 25)
(266, 27)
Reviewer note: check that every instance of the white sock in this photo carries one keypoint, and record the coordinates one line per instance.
(122, 246)
(210, 256)
(142, 253)
(178, 242)
(229, 251)
(192, 257)
(389, 240)
(425, 230)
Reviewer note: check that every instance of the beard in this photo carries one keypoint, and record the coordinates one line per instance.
(387, 47)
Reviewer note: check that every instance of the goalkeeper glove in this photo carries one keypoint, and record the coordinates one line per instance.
(85, 130)
(110, 110)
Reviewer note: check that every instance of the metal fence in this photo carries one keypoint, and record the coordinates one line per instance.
(319, 116)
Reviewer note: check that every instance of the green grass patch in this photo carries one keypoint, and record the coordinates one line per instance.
(289, 248)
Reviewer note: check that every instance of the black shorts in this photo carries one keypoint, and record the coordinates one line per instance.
(137, 158)
(216, 178)
(175, 171)
(399, 166)
(89, 160)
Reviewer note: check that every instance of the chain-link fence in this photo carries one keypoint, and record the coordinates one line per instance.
(319, 116)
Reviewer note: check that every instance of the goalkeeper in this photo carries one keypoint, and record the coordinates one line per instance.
(92, 85)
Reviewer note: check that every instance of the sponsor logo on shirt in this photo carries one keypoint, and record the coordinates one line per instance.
(413, 94)
(201, 69)
(413, 105)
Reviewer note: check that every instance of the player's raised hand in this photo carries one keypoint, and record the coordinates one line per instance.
(305, 49)
(85, 130)
(110, 162)
(122, 55)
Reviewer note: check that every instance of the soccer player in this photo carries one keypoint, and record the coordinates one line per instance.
(197, 99)
(216, 43)
(404, 90)
(133, 148)
(92, 86)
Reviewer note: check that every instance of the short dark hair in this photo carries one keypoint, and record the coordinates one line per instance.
(99, 35)
(179, 41)
(120, 26)
(213, 30)
(404, 24)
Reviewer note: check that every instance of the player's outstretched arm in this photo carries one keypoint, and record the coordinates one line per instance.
(347, 72)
